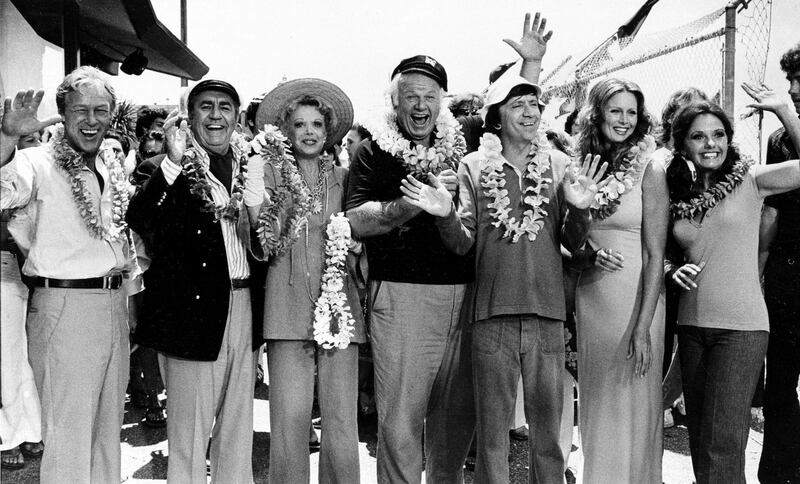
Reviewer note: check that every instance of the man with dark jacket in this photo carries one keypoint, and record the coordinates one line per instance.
(196, 311)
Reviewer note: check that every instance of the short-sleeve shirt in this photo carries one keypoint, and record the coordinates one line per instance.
(728, 294)
(413, 252)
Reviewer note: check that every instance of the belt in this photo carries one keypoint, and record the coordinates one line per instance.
(107, 282)
(240, 283)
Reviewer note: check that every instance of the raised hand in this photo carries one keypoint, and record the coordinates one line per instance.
(533, 44)
(176, 136)
(579, 191)
(18, 118)
(434, 198)
(765, 98)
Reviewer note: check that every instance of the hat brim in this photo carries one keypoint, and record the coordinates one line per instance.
(275, 102)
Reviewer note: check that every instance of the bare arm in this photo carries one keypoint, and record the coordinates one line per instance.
(376, 218)
(655, 220)
(766, 234)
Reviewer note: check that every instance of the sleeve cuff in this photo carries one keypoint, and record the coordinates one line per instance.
(170, 170)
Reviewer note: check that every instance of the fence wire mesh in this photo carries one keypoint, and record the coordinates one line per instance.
(689, 55)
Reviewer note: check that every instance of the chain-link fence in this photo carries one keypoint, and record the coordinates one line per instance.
(684, 56)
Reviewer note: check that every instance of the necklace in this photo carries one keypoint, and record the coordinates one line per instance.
(533, 196)
(275, 238)
(447, 150)
(195, 167)
(708, 199)
(71, 164)
(623, 179)
(317, 193)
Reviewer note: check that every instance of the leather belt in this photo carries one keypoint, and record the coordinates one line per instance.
(240, 283)
(107, 282)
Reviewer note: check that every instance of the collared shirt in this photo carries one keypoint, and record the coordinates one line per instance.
(234, 247)
(61, 246)
(520, 277)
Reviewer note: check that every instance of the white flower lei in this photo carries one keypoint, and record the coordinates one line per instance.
(332, 301)
(71, 163)
(446, 152)
(608, 196)
(493, 179)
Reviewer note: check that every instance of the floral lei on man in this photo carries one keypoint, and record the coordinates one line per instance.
(195, 167)
(533, 196)
(705, 201)
(623, 179)
(447, 150)
(274, 238)
(333, 322)
(71, 163)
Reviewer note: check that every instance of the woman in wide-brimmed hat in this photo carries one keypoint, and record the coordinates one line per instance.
(293, 194)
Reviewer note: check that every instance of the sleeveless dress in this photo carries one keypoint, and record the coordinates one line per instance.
(620, 414)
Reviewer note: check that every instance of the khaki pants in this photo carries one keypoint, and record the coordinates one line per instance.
(213, 399)
(78, 349)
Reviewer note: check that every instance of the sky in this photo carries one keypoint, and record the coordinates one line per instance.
(357, 43)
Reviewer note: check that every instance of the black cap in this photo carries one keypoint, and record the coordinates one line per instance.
(423, 64)
(215, 85)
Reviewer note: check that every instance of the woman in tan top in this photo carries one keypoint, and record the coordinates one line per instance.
(301, 189)
(715, 204)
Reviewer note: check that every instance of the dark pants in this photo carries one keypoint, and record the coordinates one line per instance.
(720, 370)
(780, 457)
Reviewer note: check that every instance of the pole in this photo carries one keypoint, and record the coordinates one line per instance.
(729, 60)
(184, 81)
(70, 35)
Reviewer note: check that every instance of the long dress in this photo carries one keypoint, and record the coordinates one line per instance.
(620, 414)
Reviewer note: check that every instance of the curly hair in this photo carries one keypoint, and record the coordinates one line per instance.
(307, 100)
(790, 60)
(79, 77)
(145, 118)
(677, 100)
(679, 176)
(590, 138)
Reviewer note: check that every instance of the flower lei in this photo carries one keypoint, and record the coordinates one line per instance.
(607, 200)
(71, 163)
(447, 150)
(533, 196)
(333, 322)
(705, 201)
(274, 238)
(195, 162)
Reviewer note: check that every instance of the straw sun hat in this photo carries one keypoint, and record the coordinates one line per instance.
(275, 102)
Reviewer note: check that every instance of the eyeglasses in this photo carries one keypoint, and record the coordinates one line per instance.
(155, 135)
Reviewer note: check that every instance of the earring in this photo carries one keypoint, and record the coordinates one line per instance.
(691, 167)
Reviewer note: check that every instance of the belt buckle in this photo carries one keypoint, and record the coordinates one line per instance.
(45, 282)
(108, 282)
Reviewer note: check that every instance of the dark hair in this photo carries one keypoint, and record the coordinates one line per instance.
(679, 176)
(790, 60)
(146, 117)
(251, 111)
(492, 120)
(123, 140)
(362, 131)
(590, 138)
(560, 141)
(569, 123)
(677, 100)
